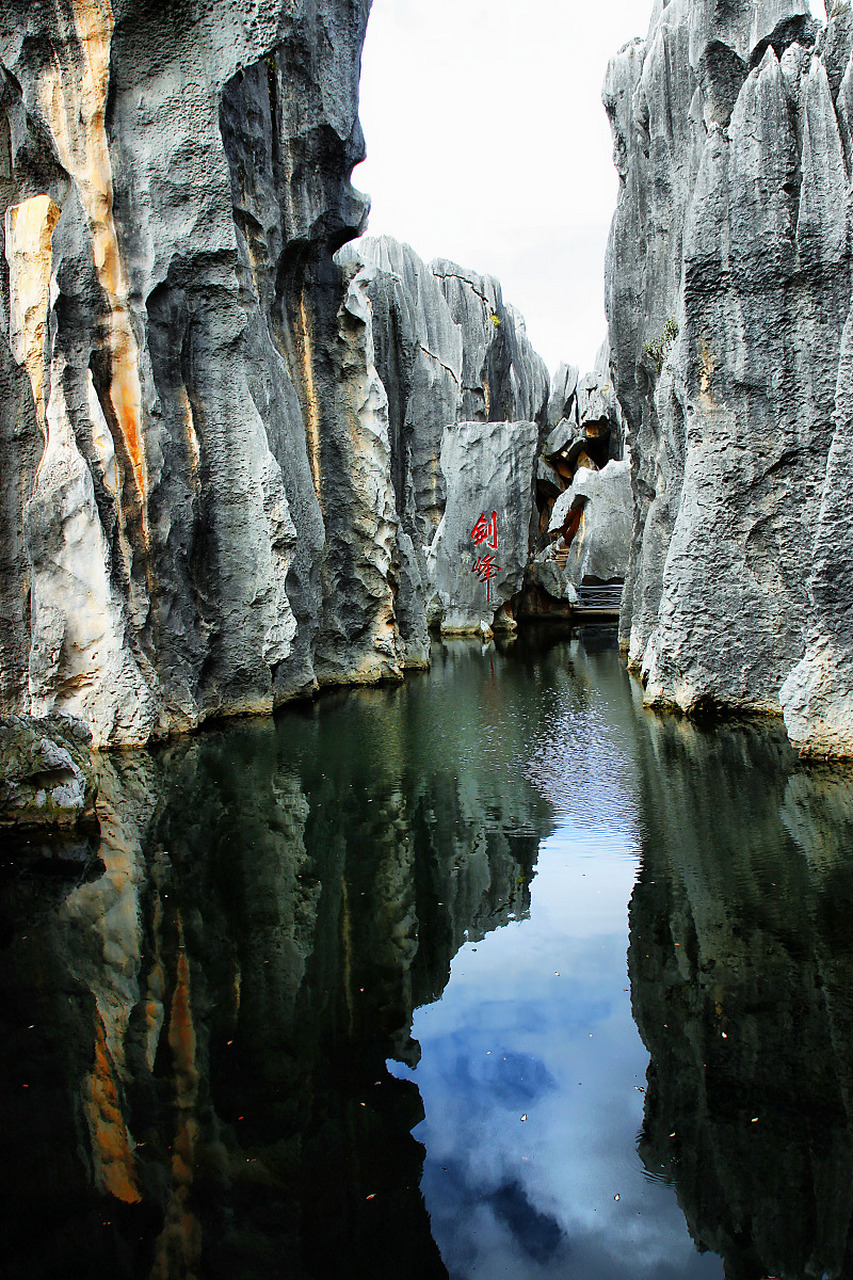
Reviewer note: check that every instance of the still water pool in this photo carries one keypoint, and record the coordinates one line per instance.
(490, 974)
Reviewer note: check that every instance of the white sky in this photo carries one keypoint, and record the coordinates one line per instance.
(487, 143)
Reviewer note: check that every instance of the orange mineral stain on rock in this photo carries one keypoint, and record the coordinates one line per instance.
(178, 1249)
(193, 448)
(29, 253)
(312, 405)
(73, 99)
(111, 1144)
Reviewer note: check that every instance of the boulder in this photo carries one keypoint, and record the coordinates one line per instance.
(602, 543)
(46, 776)
(477, 560)
(545, 573)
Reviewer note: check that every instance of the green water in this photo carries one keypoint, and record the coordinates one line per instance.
(490, 974)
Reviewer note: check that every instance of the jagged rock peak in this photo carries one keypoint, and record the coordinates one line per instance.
(728, 294)
(194, 526)
(464, 325)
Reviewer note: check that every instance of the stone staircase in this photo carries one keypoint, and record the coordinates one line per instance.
(601, 599)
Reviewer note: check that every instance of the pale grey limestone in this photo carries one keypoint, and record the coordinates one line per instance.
(601, 546)
(503, 378)
(182, 538)
(561, 401)
(419, 356)
(817, 696)
(213, 502)
(546, 573)
(488, 470)
(446, 346)
(46, 777)
(731, 138)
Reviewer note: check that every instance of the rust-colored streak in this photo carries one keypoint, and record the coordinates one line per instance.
(113, 1158)
(74, 97)
(178, 1251)
(193, 448)
(312, 405)
(125, 396)
(573, 523)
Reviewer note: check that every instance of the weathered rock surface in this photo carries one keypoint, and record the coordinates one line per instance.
(503, 378)
(175, 184)
(210, 505)
(477, 559)
(419, 356)
(600, 544)
(549, 590)
(46, 777)
(562, 402)
(449, 351)
(728, 291)
(585, 430)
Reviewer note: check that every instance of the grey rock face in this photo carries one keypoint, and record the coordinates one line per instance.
(446, 346)
(213, 502)
(503, 379)
(586, 433)
(178, 182)
(728, 289)
(46, 777)
(477, 560)
(547, 582)
(419, 357)
(601, 544)
(817, 696)
(562, 398)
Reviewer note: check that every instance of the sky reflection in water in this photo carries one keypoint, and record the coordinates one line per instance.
(533, 1073)
(514, 862)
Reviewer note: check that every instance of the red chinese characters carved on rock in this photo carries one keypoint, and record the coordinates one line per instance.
(485, 535)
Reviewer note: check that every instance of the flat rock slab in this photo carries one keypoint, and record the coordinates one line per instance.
(478, 557)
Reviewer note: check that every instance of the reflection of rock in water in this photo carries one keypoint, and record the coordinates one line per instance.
(741, 962)
(215, 1011)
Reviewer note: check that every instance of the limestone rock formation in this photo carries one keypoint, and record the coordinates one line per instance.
(46, 777)
(728, 293)
(176, 181)
(600, 545)
(561, 401)
(449, 351)
(477, 560)
(209, 505)
(583, 492)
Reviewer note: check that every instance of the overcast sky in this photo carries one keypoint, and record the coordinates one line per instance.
(487, 143)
